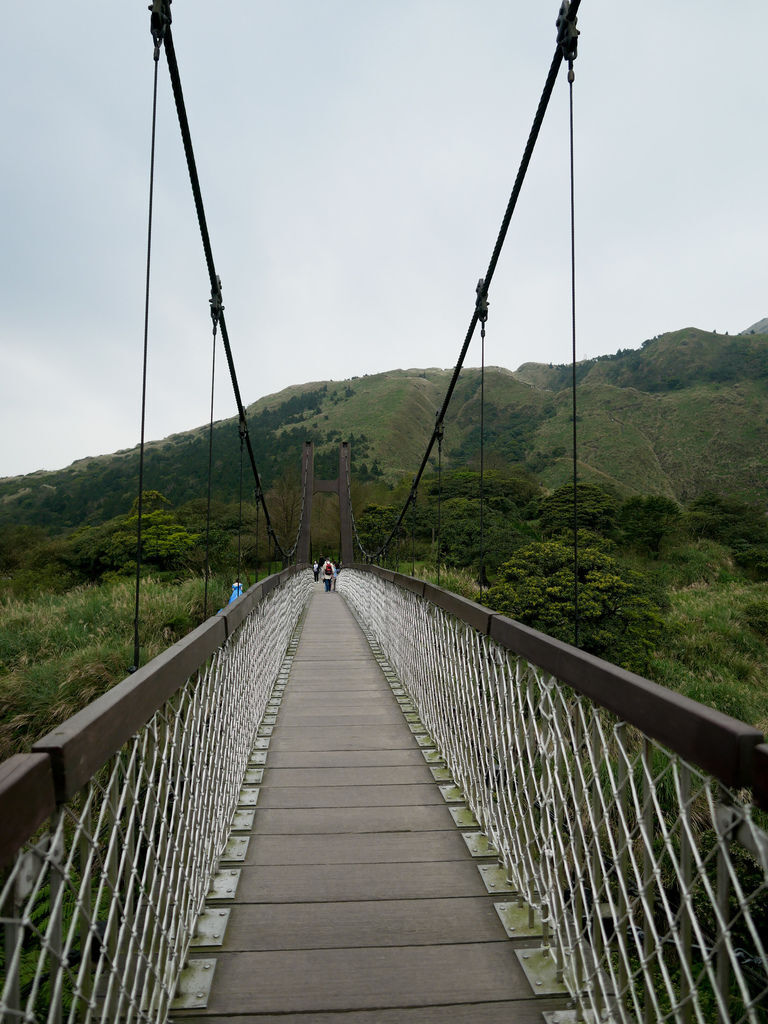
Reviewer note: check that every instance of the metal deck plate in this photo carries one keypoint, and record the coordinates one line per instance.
(452, 794)
(236, 848)
(441, 774)
(479, 845)
(224, 884)
(539, 968)
(516, 918)
(463, 817)
(242, 820)
(249, 796)
(211, 925)
(194, 985)
(495, 878)
(433, 756)
(257, 757)
(253, 776)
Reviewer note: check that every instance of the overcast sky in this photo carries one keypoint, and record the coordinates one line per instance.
(355, 160)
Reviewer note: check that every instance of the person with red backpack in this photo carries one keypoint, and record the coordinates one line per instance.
(328, 575)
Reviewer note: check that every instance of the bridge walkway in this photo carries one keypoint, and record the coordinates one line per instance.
(358, 898)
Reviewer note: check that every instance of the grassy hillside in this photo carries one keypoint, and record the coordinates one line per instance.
(685, 414)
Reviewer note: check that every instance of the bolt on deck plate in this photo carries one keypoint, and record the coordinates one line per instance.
(495, 878)
(257, 757)
(516, 918)
(463, 817)
(441, 774)
(194, 985)
(479, 845)
(211, 925)
(261, 743)
(224, 884)
(253, 776)
(424, 740)
(541, 971)
(249, 796)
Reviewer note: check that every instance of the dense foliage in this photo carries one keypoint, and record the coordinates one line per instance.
(678, 593)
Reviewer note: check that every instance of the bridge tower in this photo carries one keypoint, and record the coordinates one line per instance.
(337, 486)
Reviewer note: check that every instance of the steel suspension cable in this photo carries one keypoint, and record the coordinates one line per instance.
(567, 33)
(186, 136)
(157, 26)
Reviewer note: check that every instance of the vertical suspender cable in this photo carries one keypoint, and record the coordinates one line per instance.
(257, 496)
(573, 345)
(216, 308)
(240, 512)
(413, 536)
(157, 35)
(482, 305)
(439, 431)
(210, 478)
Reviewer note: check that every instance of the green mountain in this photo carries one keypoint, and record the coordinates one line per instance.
(685, 414)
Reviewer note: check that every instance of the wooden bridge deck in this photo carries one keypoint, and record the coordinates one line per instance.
(358, 899)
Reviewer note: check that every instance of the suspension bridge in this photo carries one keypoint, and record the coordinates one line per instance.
(383, 803)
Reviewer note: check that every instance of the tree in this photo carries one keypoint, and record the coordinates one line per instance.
(375, 525)
(619, 611)
(645, 522)
(596, 510)
(111, 547)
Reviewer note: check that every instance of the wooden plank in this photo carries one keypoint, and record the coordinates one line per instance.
(507, 1012)
(262, 926)
(391, 775)
(317, 980)
(316, 821)
(360, 848)
(345, 758)
(359, 737)
(347, 717)
(329, 883)
(284, 797)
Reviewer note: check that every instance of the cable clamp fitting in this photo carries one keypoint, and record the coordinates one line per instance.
(481, 305)
(217, 307)
(567, 33)
(159, 22)
(243, 428)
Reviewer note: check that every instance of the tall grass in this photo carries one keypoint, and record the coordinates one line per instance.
(58, 652)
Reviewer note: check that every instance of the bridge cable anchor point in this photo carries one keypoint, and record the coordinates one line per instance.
(481, 305)
(567, 35)
(217, 306)
(159, 22)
